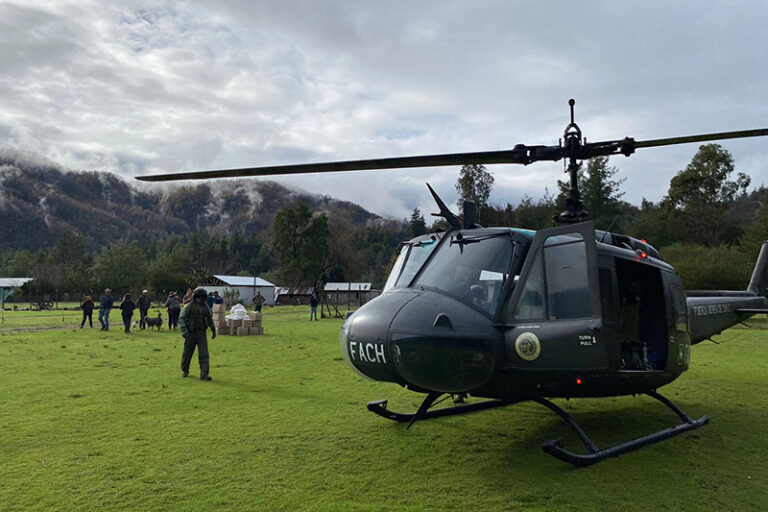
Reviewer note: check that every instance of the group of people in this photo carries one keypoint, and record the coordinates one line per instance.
(191, 314)
(127, 306)
(107, 303)
(193, 320)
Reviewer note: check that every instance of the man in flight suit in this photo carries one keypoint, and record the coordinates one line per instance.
(194, 320)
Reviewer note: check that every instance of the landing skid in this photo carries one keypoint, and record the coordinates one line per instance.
(424, 413)
(595, 454)
(553, 447)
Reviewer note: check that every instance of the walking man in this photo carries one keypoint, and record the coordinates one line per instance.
(194, 320)
(144, 303)
(105, 306)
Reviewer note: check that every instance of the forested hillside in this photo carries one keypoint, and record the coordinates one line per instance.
(40, 204)
(76, 232)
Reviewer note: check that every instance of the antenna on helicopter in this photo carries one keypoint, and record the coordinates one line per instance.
(445, 213)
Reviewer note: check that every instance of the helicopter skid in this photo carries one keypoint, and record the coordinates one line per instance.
(380, 407)
(555, 448)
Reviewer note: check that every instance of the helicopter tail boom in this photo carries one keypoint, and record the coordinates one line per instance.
(712, 311)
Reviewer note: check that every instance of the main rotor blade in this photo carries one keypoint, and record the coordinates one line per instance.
(701, 138)
(519, 155)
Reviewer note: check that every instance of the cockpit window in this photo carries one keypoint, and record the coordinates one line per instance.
(416, 258)
(473, 269)
(412, 256)
(397, 268)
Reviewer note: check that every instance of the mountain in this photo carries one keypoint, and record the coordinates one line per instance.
(40, 202)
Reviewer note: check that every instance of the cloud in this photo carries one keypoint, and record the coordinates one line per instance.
(159, 86)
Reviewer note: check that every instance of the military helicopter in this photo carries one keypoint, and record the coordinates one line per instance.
(511, 315)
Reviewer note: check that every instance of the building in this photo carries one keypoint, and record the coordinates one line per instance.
(297, 296)
(246, 286)
(8, 285)
(352, 294)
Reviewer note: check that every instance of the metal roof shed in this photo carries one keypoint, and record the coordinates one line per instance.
(247, 286)
(9, 284)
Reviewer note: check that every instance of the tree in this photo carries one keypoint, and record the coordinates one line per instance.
(710, 268)
(299, 242)
(120, 267)
(699, 197)
(417, 226)
(650, 224)
(75, 264)
(345, 257)
(190, 204)
(20, 264)
(705, 179)
(535, 215)
(474, 184)
(167, 272)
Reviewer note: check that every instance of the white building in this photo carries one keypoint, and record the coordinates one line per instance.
(9, 284)
(246, 286)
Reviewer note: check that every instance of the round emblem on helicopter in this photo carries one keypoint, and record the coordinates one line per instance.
(527, 346)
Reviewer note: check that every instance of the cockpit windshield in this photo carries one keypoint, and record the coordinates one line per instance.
(472, 268)
(412, 256)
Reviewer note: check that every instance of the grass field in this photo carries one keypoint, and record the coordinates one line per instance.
(103, 421)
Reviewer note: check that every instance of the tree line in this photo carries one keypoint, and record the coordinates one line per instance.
(301, 248)
(707, 225)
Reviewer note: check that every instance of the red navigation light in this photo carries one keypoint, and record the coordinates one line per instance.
(644, 241)
(578, 382)
(643, 255)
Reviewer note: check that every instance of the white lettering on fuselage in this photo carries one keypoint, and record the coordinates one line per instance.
(712, 309)
(367, 352)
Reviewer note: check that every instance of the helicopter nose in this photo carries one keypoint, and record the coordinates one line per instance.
(364, 336)
(438, 343)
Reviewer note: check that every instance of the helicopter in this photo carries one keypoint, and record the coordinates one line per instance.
(510, 315)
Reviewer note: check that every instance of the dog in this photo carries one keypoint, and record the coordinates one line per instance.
(154, 322)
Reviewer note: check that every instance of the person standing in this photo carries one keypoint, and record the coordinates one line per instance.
(187, 297)
(174, 309)
(127, 306)
(194, 320)
(258, 301)
(87, 308)
(106, 303)
(144, 303)
(313, 307)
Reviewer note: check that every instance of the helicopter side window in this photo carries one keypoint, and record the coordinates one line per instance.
(680, 309)
(531, 303)
(568, 294)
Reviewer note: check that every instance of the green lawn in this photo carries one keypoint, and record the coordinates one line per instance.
(104, 421)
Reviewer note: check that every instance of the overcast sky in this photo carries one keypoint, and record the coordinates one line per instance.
(148, 87)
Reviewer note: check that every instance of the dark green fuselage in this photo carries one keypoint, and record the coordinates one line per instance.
(513, 314)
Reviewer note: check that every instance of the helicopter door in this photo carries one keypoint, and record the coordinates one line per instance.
(554, 314)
